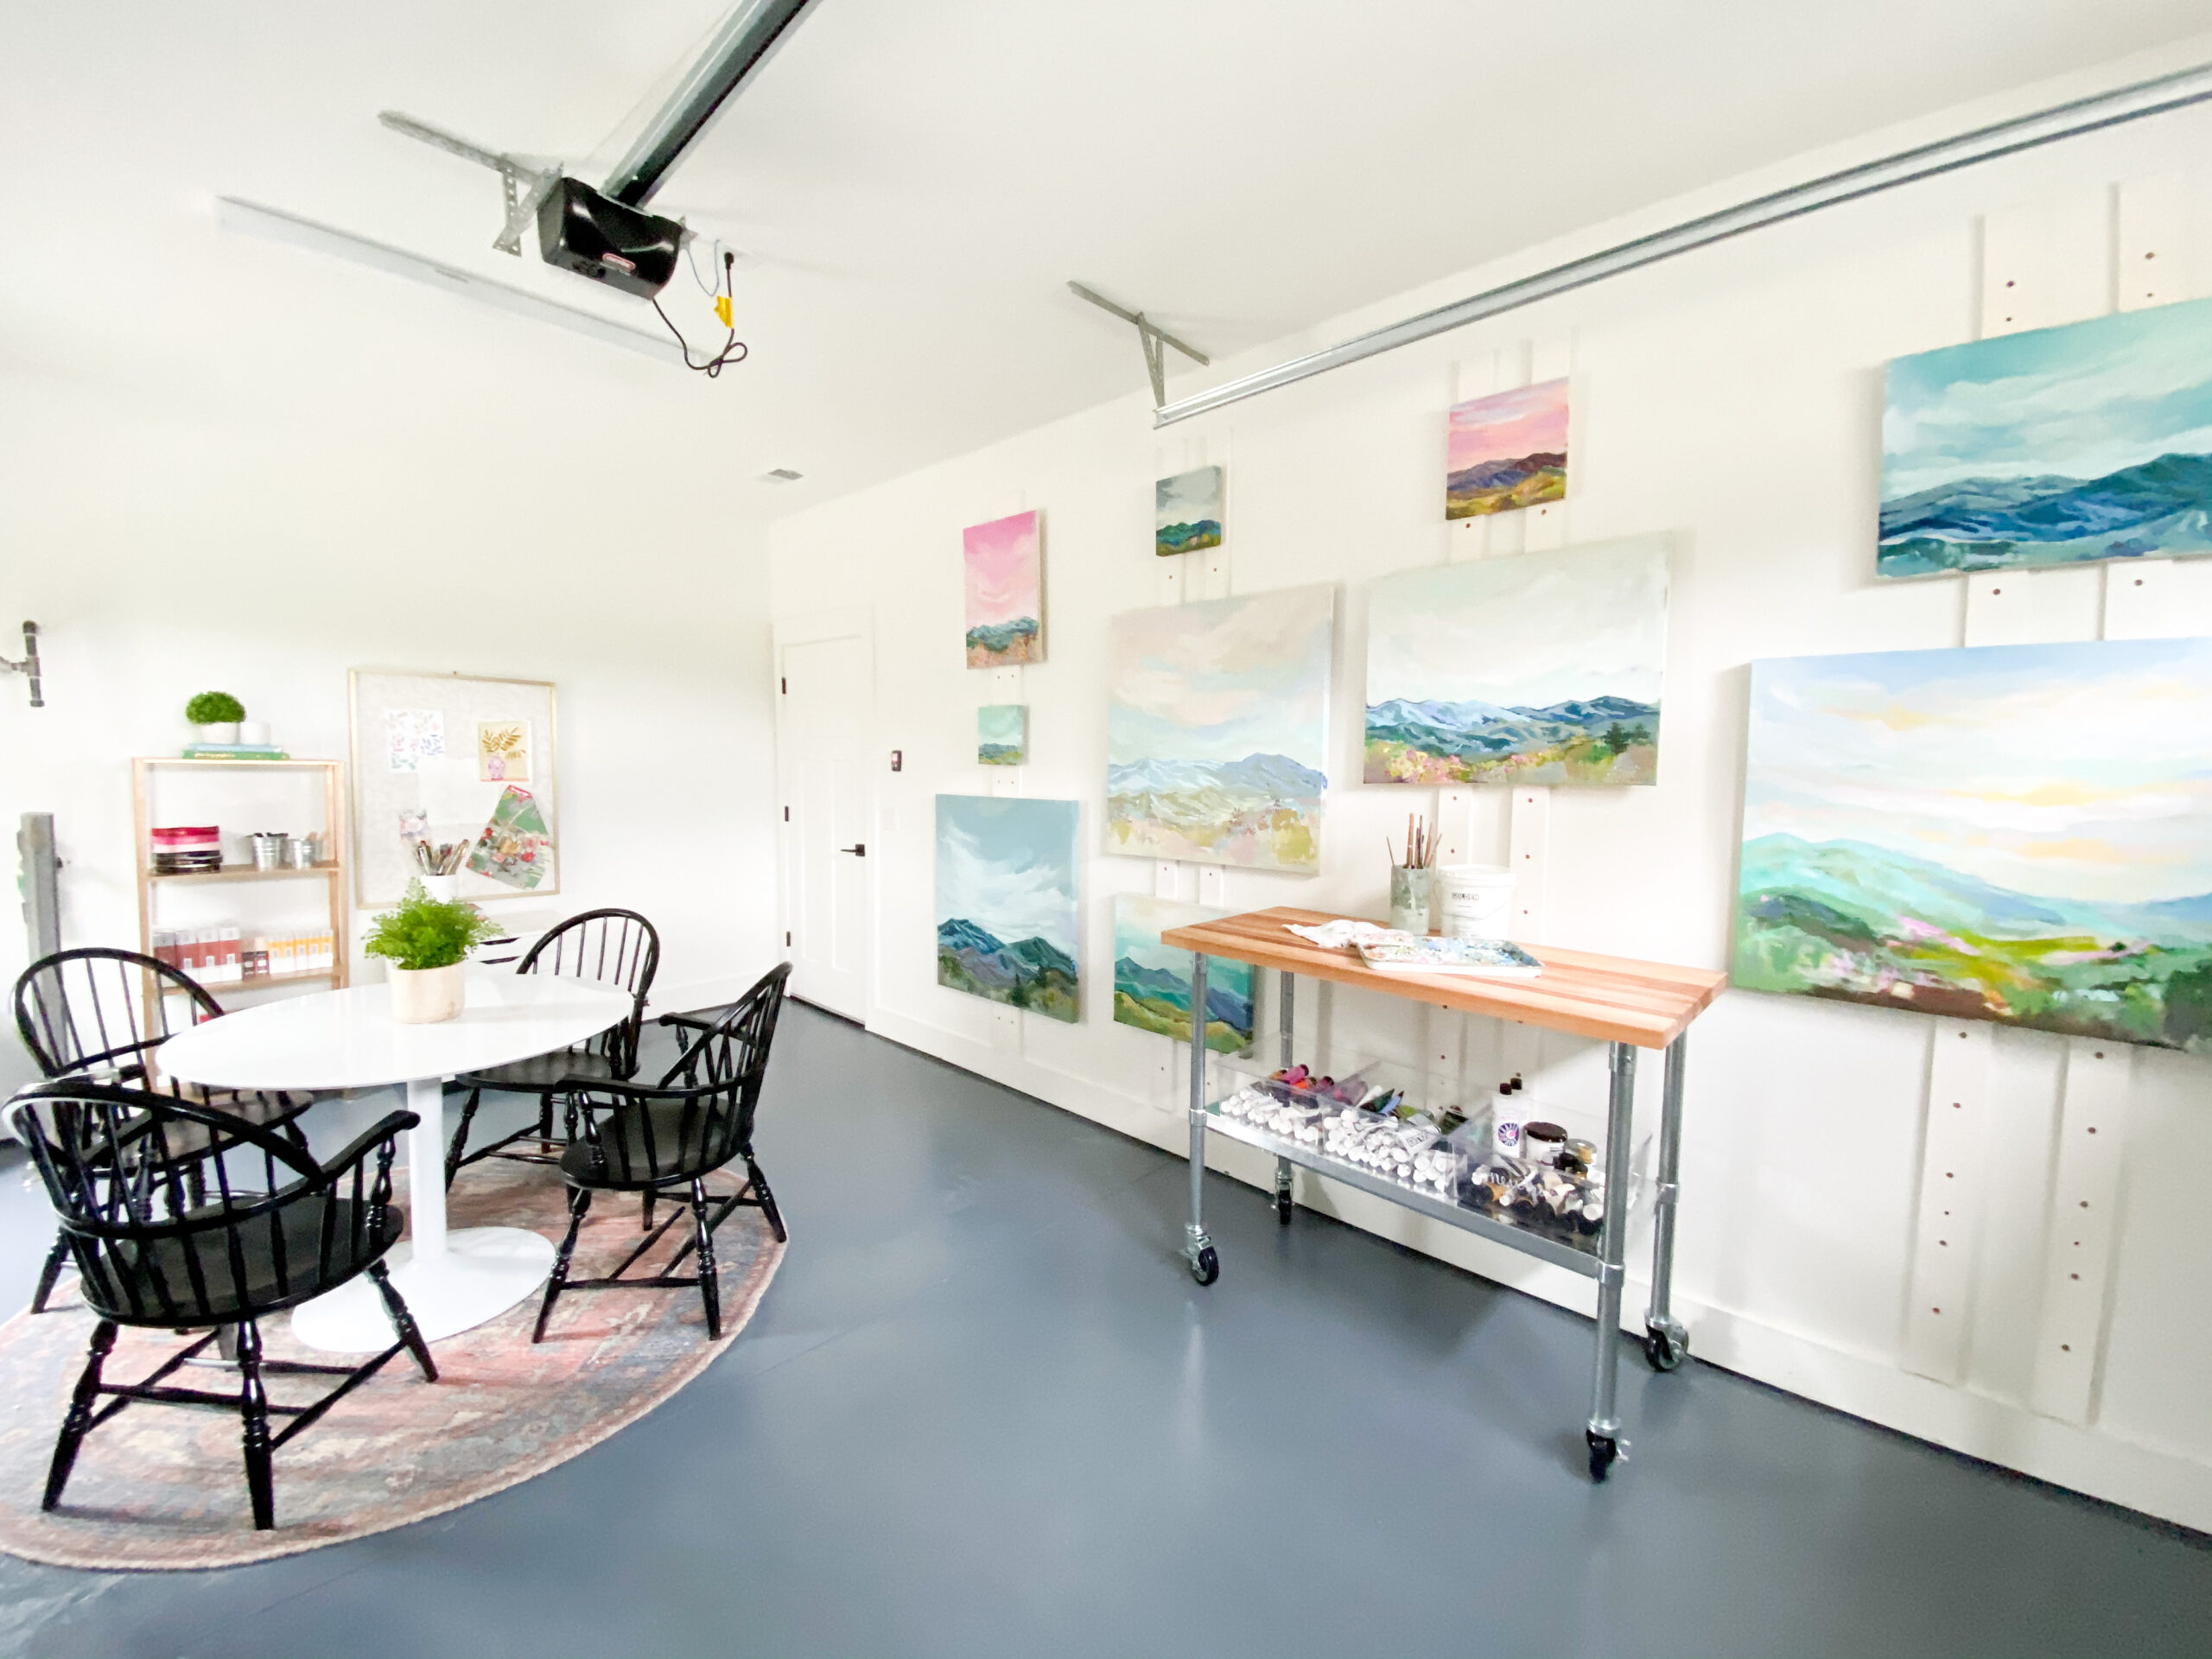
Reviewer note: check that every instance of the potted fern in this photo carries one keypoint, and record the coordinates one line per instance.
(423, 943)
(215, 716)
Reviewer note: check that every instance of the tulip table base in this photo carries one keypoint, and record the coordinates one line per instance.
(451, 1282)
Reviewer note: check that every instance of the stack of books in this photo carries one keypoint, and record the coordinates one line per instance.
(235, 752)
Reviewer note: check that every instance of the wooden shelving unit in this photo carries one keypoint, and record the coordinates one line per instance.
(333, 873)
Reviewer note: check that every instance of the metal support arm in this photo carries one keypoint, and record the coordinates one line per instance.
(28, 666)
(1150, 336)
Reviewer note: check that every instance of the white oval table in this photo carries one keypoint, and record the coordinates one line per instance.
(348, 1040)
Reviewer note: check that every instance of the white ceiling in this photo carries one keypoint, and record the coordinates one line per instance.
(913, 183)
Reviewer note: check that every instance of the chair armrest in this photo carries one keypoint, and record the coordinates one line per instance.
(375, 1136)
(689, 1021)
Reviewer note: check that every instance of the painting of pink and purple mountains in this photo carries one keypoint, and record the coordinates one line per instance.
(1005, 567)
(1507, 451)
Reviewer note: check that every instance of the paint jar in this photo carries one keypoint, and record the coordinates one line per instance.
(1541, 1143)
(1413, 897)
(1474, 901)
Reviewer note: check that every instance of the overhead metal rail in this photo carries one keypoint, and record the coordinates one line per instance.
(2071, 120)
(739, 49)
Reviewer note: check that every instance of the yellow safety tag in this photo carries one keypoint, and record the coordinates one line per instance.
(722, 310)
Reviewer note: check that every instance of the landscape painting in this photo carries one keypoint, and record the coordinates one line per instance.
(2017, 833)
(2051, 447)
(1005, 566)
(1218, 730)
(1186, 511)
(1006, 901)
(1507, 451)
(1002, 733)
(1152, 982)
(1540, 669)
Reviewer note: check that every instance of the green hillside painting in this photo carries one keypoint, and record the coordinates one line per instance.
(2013, 833)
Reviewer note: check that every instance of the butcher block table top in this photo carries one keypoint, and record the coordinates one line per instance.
(1615, 999)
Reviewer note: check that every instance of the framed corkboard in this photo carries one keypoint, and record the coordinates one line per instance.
(434, 756)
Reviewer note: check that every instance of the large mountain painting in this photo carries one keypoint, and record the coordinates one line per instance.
(2016, 833)
(1006, 902)
(1542, 669)
(2092, 440)
(1218, 727)
(1152, 981)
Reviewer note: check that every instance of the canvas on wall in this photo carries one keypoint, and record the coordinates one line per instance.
(1218, 729)
(1152, 981)
(2016, 833)
(2092, 441)
(1006, 902)
(1540, 668)
(1004, 565)
(1506, 451)
(1002, 733)
(1187, 512)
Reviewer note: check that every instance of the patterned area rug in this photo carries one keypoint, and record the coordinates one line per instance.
(163, 1487)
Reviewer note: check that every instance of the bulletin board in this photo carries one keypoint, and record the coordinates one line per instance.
(454, 758)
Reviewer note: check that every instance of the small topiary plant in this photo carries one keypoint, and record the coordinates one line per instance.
(427, 933)
(214, 708)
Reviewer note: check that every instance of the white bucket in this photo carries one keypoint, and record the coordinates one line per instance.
(1476, 900)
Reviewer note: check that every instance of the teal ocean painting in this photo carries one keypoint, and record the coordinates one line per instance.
(1152, 982)
(2092, 440)
(1218, 730)
(1006, 902)
(1187, 512)
(1002, 733)
(2015, 833)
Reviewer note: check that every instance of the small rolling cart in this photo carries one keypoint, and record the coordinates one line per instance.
(1629, 1005)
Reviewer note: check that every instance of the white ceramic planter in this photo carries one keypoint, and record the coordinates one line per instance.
(253, 731)
(425, 996)
(443, 888)
(223, 733)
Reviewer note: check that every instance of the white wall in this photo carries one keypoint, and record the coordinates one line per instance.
(428, 486)
(1730, 398)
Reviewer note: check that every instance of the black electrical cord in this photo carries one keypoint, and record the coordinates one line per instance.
(734, 350)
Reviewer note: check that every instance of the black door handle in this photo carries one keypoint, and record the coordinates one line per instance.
(859, 849)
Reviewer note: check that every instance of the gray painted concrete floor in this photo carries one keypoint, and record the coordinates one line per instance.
(983, 1410)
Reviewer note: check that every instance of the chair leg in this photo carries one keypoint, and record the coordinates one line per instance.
(759, 1185)
(253, 1410)
(579, 1202)
(50, 1274)
(403, 1321)
(545, 1118)
(79, 1422)
(710, 1287)
(460, 1136)
(645, 1212)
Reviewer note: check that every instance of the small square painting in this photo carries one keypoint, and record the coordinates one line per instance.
(1187, 512)
(502, 751)
(1002, 733)
(1152, 981)
(1004, 562)
(1507, 451)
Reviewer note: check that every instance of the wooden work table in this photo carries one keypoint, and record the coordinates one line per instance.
(1626, 1004)
(1613, 999)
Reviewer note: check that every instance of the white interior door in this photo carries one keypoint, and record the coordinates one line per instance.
(825, 670)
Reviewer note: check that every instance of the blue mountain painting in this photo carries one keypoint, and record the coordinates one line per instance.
(1589, 739)
(1030, 974)
(2159, 509)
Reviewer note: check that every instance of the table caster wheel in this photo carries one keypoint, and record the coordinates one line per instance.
(1604, 1448)
(1282, 1209)
(1663, 1353)
(1207, 1268)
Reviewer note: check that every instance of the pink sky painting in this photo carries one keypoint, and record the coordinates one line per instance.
(1005, 579)
(1531, 421)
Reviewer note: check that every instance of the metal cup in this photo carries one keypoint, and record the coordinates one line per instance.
(268, 849)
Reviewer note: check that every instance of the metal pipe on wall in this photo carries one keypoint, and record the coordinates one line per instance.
(2071, 120)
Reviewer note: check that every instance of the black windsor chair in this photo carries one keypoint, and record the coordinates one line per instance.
(241, 1225)
(101, 1014)
(653, 1139)
(616, 948)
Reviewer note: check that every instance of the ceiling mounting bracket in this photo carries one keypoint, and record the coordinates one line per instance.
(1152, 337)
(28, 666)
(523, 187)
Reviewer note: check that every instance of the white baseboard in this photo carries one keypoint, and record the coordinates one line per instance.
(2172, 1486)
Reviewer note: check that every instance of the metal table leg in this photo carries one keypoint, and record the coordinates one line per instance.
(1605, 1429)
(1197, 1248)
(1283, 1199)
(1665, 1341)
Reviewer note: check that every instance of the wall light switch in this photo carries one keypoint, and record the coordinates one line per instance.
(897, 760)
